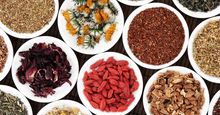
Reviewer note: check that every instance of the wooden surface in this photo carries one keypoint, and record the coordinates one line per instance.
(138, 110)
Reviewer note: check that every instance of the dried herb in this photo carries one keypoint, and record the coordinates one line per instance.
(65, 111)
(200, 5)
(156, 36)
(3, 53)
(206, 49)
(11, 105)
(45, 67)
(216, 110)
(26, 16)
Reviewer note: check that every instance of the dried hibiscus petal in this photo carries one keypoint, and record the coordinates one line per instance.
(45, 67)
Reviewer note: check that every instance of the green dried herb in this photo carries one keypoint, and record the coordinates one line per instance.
(200, 5)
(11, 105)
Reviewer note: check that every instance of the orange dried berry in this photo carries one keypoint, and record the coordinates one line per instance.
(89, 3)
(80, 8)
(98, 17)
(97, 39)
(103, 2)
(86, 29)
(110, 32)
(104, 15)
(80, 40)
(70, 28)
(66, 15)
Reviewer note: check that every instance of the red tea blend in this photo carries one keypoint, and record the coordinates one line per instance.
(45, 67)
(110, 85)
(156, 36)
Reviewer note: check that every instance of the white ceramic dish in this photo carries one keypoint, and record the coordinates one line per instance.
(135, 2)
(37, 33)
(16, 93)
(127, 25)
(9, 60)
(61, 91)
(193, 36)
(196, 14)
(86, 67)
(61, 104)
(100, 47)
(181, 70)
(213, 102)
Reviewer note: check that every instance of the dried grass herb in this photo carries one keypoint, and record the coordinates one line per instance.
(26, 16)
(174, 93)
(206, 49)
(11, 105)
(3, 53)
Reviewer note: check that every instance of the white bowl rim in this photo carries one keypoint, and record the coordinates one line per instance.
(26, 90)
(12, 91)
(117, 56)
(126, 28)
(10, 56)
(181, 70)
(196, 14)
(34, 34)
(65, 103)
(135, 3)
(214, 100)
(116, 36)
(193, 36)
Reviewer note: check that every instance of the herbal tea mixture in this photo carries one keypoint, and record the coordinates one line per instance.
(200, 5)
(65, 111)
(3, 53)
(90, 21)
(26, 16)
(206, 49)
(45, 67)
(11, 105)
(174, 93)
(156, 36)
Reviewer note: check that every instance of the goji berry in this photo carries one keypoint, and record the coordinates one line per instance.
(87, 95)
(110, 92)
(104, 93)
(122, 108)
(102, 104)
(95, 105)
(109, 101)
(101, 87)
(96, 64)
(113, 71)
(113, 82)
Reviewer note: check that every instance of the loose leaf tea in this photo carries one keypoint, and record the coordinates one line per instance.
(156, 36)
(91, 21)
(206, 49)
(216, 110)
(200, 5)
(3, 53)
(26, 16)
(45, 67)
(174, 93)
(11, 105)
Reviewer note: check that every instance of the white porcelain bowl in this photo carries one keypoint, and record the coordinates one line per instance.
(61, 104)
(9, 60)
(86, 67)
(213, 102)
(196, 14)
(100, 47)
(193, 36)
(180, 69)
(135, 2)
(16, 93)
(127, 25)
(37, 33)
(61, 91)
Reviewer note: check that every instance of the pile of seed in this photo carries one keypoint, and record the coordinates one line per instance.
(206, 49)
(3, 53)
(26, 16)
(156, 36)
